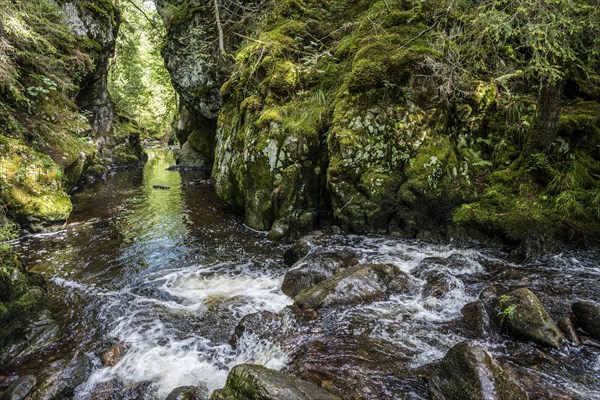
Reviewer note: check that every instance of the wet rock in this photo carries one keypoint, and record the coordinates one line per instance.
(6, 381)
(189, 393)
(314, 269)
(41, 335)
(356, 367)
(587, 314)
(115, 389)
(468, 372)
(525, 316)
(476, 319)
(439, 283)
(283, 327)
(250, 382)
(590, 342)
(301, 247)
(113, 355)
(20, 388)
(535, 384)
(567, 325)
(358, 284)
(264, 324)
(64, 377)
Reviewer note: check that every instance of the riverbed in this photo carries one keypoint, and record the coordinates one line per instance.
(170, 271)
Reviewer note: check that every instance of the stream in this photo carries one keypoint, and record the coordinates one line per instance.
(171, 272)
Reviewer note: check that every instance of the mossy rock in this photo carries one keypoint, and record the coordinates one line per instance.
(22, 296)
(31, 182)
(525, 316)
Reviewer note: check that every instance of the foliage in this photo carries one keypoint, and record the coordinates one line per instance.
(139, 82)
(506, 311)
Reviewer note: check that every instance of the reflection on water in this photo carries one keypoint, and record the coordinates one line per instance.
(168, 272)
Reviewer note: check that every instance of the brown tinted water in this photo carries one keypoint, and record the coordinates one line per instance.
(170, 273)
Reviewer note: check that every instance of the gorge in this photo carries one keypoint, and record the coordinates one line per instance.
(299, 199)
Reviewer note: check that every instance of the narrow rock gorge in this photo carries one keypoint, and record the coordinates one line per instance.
(299, 199)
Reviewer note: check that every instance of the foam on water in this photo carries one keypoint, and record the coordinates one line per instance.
(159, 351)
(170, 273)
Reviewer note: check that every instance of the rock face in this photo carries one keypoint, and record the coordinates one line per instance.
(587, 314)
(57, 115)
(116, 144)
(250, 382)
(322, 120)
(354, 285)
(314, 269)
(198, 69)
(525, 316)
(468, 372)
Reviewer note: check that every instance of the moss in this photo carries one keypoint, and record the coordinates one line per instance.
(283, 78)
(31, 183)
(105, 9)
(580, 119)
(22, 295)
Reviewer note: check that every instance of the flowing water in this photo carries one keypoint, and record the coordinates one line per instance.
(171, 272)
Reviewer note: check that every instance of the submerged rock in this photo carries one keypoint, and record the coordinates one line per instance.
(20, 388)
(525, 316)
(358, 284)
(251, 382)
(189, 393)
(113, 355)
(468, 372)
(314, 269)
(264, 324)
(587, 314)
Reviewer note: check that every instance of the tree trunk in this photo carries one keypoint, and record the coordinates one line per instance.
(547, 116)
(219, 27)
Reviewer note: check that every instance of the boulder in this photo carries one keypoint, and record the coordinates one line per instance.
(468, 372)
(439, 283)
(362, 283)
(587, 314)
(41, 335)
(251, 382)
(314, 269)
(20, 388)
(189, 393)
(525, 316)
